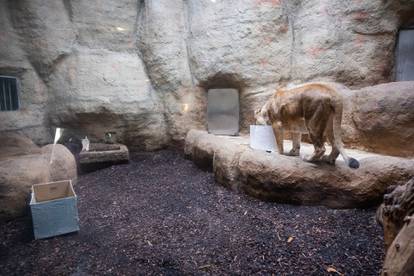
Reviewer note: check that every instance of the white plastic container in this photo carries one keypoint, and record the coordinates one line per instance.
(262, 138)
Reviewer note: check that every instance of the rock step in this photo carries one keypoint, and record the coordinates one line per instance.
(285, 179)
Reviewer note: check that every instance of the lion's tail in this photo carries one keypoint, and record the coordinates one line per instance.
(337, 132)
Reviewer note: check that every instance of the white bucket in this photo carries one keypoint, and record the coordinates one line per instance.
(262, 138)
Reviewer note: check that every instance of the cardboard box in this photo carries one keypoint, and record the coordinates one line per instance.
(54, 209)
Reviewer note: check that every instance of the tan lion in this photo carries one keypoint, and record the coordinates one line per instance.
(315, 109)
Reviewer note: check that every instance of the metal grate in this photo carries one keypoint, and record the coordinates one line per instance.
(9, 100)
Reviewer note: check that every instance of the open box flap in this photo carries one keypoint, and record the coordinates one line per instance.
(52, 191)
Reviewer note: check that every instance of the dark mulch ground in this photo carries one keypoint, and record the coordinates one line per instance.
(161, 215)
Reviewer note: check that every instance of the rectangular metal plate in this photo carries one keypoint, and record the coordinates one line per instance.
(223, 111)
(405, 56)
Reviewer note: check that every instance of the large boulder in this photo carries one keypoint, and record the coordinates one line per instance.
(15, 145)
(23, 164)
(382, 118)
(290, 180)
(280, 178)
(62, 163)
(46, 32)
(109, 92)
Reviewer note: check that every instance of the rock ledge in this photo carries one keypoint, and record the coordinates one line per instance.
(284, 179)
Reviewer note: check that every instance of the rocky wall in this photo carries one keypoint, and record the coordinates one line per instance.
(141, 68)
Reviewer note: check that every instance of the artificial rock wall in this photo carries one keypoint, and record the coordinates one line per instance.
(141, 67)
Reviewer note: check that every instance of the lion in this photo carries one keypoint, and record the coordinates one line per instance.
(315, 109)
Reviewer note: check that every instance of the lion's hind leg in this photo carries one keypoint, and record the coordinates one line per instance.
(331, 158)
(296, 139)
(319, 149)
(317, 126)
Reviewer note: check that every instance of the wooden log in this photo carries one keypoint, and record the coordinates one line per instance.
(400, 255)
(103, 147)
(396, 215)
(95, 156)
(397, 205)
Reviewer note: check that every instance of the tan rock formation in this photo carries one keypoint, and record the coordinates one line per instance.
(286, 179)
(23, 164)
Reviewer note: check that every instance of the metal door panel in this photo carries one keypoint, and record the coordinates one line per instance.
(223, 111)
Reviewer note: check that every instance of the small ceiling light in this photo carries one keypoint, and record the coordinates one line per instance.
(120, 29)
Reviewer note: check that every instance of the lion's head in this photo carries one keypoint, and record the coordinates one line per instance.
(261, 115)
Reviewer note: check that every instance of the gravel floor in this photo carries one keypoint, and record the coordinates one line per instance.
(161, 215)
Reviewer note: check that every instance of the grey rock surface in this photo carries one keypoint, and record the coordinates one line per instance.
(108, 91)
(142, 67)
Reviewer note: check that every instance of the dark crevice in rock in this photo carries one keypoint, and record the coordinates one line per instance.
(68, 8)
(188, 36)
(290, 9)
(56, 62)
(224, 80)
(139, 24)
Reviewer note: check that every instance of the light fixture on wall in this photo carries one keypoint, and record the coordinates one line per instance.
(58, 134)
(185, 107)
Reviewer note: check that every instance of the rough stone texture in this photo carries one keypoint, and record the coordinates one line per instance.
(290, 180)
(400, 256)
(396, 210)
(101, 24)
(45, 32)
(30, 120)
(383, 118)
(15, 145)
(26, 164)
(62, 165)
(163, 32)
(108, 91)
(286, 179)
(96, 156)
(142, 67)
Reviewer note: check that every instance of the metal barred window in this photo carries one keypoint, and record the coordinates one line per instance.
(9, 100)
